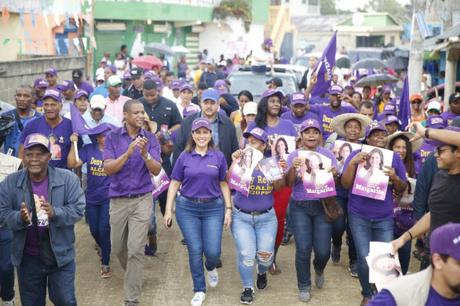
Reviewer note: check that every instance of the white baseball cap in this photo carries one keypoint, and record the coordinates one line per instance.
(100, 77)
(434, 105)
(97, 101)
(250, 108)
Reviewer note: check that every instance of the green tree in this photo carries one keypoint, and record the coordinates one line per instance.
(328, 7)
(392, 7)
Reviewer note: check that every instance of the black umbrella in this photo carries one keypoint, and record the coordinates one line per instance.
(376, 80)
(369, 63)
(398, 63)
(343, 62)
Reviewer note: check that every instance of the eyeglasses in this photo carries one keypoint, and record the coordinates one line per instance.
(440, 150)
(416, 102)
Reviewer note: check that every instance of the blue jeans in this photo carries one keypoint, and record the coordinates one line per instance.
(153, 221)
(339, 226)
(99, 226)
(254, 235)
(34, 276)
(6, 267)
(404, 255)
(201, 225)
(365, 231)
(311, 232)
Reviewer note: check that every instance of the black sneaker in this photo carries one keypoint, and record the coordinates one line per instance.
(219, 264)
(261, 281)
(247, 296)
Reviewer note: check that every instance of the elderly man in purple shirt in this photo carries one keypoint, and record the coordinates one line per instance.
(131, 156)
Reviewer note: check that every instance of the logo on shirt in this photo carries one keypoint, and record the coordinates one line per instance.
(213, 166)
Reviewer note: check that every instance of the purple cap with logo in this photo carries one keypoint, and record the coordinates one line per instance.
(268, 42)
(375, 126)
(311, 123)
(389, 109)
(35, 139)
(437, 143)
(386, 89)
(298, 98)
(51, 71)
(53, 94)
(127, 76)
(40, 83)
(335, 90)
(157, 80)
(81, 93)
(210, 94)
(66, 85)
(185, 87)
(445, 240)
(201, 123)
(435, 122)
(221, 83)
(176, 85)
(257, 133)
(390, 119)
(273, 92)
(150, 75)
(189, 110)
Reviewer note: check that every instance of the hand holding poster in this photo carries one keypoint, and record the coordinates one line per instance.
(342, 150)
(370, 180)
(384, 267)
(281, 146)
(271, 169)
(241, 170)
(316, 174)
(160, 183)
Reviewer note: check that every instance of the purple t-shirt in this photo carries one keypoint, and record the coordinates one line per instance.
(421, 154)
(326, 114)
(59, 138)
(370, 208)
(200, 175)
(297, 121)
(134, 178)
(98, 181)
(298, 190)
(449, 117)
(260, 196)
(32, 245)
(385, 298)
(284, 127)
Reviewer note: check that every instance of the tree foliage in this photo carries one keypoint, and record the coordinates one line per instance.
(328, 7)
(240, 9)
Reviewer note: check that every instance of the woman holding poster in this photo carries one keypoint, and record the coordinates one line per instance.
(307, 217)
(371, 219)
(254, 223)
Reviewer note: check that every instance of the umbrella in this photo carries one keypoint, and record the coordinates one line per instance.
(369, 63)
(376, 80)
(180, 49)
(147, 62)
(343, 62)
(398, 63)
(158, 48)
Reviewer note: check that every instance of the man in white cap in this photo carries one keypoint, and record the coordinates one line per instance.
(97, 115)
(115, 100)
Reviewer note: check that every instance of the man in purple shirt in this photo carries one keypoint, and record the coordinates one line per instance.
(131, 156)
(299, 112)
(77, 77)
(454, 108)
(436, 285)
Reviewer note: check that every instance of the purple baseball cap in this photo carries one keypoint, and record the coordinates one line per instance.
(386, 89)
(389, 109)
(445, 240)
(189, 110)
(210, 94)
(273, 92)
(311, 123)
(176, 85)
(201, 123)
(81, 93)
(185, 87)
(127, 76)
(435, 122)
(390, 119)
(298, 98)
(438, 143)
(40, 83)
(53, 94)
(375, 126)
(257, 133)
(35, 139)
(268, 42)
(157, 80)
(150, 75)
(335, 90)
(66, 85)
(51, 71)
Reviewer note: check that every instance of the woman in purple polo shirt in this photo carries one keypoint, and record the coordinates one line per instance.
(97, 192)
(254, 223)
(200, 173)
(371, 219)
(306, 214)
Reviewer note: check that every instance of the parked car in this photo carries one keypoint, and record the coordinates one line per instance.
(297, 70)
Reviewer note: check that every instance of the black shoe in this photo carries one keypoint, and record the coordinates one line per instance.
(247, 296)
(335, 254)
(261, 281)
(183, 242)
(219, 264)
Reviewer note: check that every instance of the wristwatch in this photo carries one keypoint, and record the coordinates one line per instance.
(148, 157)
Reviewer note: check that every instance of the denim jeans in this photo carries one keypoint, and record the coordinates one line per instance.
(99, 226)
(153, 221)
(34, 276)
(365, 231)
(253, 235)
(311, 232)
(404, 255)
(201, 225)
(339, 226)
(6, 267)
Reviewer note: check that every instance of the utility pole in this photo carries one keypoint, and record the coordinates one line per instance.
(416, 49)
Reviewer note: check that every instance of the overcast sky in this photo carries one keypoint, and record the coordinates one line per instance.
(355, 4)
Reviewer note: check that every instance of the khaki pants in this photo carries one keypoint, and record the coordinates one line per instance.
(129, 221)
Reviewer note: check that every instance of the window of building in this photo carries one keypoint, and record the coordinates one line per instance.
(370, 41)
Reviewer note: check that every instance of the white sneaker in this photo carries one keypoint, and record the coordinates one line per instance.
(198, 299)
(8, 303)
(213, 277)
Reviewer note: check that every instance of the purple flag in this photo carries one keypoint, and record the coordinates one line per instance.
(404, 113)
(79, 124)
(324, 68)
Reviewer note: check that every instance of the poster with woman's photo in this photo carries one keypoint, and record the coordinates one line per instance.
(370, 180)
(271, 169)
(160, 183)
(240, 172)
(384, 267)
(342, 149)
(316, 174)
(281, 146)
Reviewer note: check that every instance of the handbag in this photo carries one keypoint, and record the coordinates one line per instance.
(332, 210)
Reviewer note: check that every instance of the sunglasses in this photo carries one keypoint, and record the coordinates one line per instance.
(416, 102)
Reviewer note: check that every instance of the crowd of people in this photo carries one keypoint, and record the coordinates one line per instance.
(144, 122)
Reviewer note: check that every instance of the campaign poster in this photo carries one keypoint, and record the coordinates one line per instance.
(281, 146)
(370, 180)
(160, 183)
(271, 169)
(240, 172)
(316, 174)
(342, 149)
(384, 267)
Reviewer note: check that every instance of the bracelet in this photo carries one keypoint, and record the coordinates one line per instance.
(411, 237)
(230, 208)
(427, 133)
